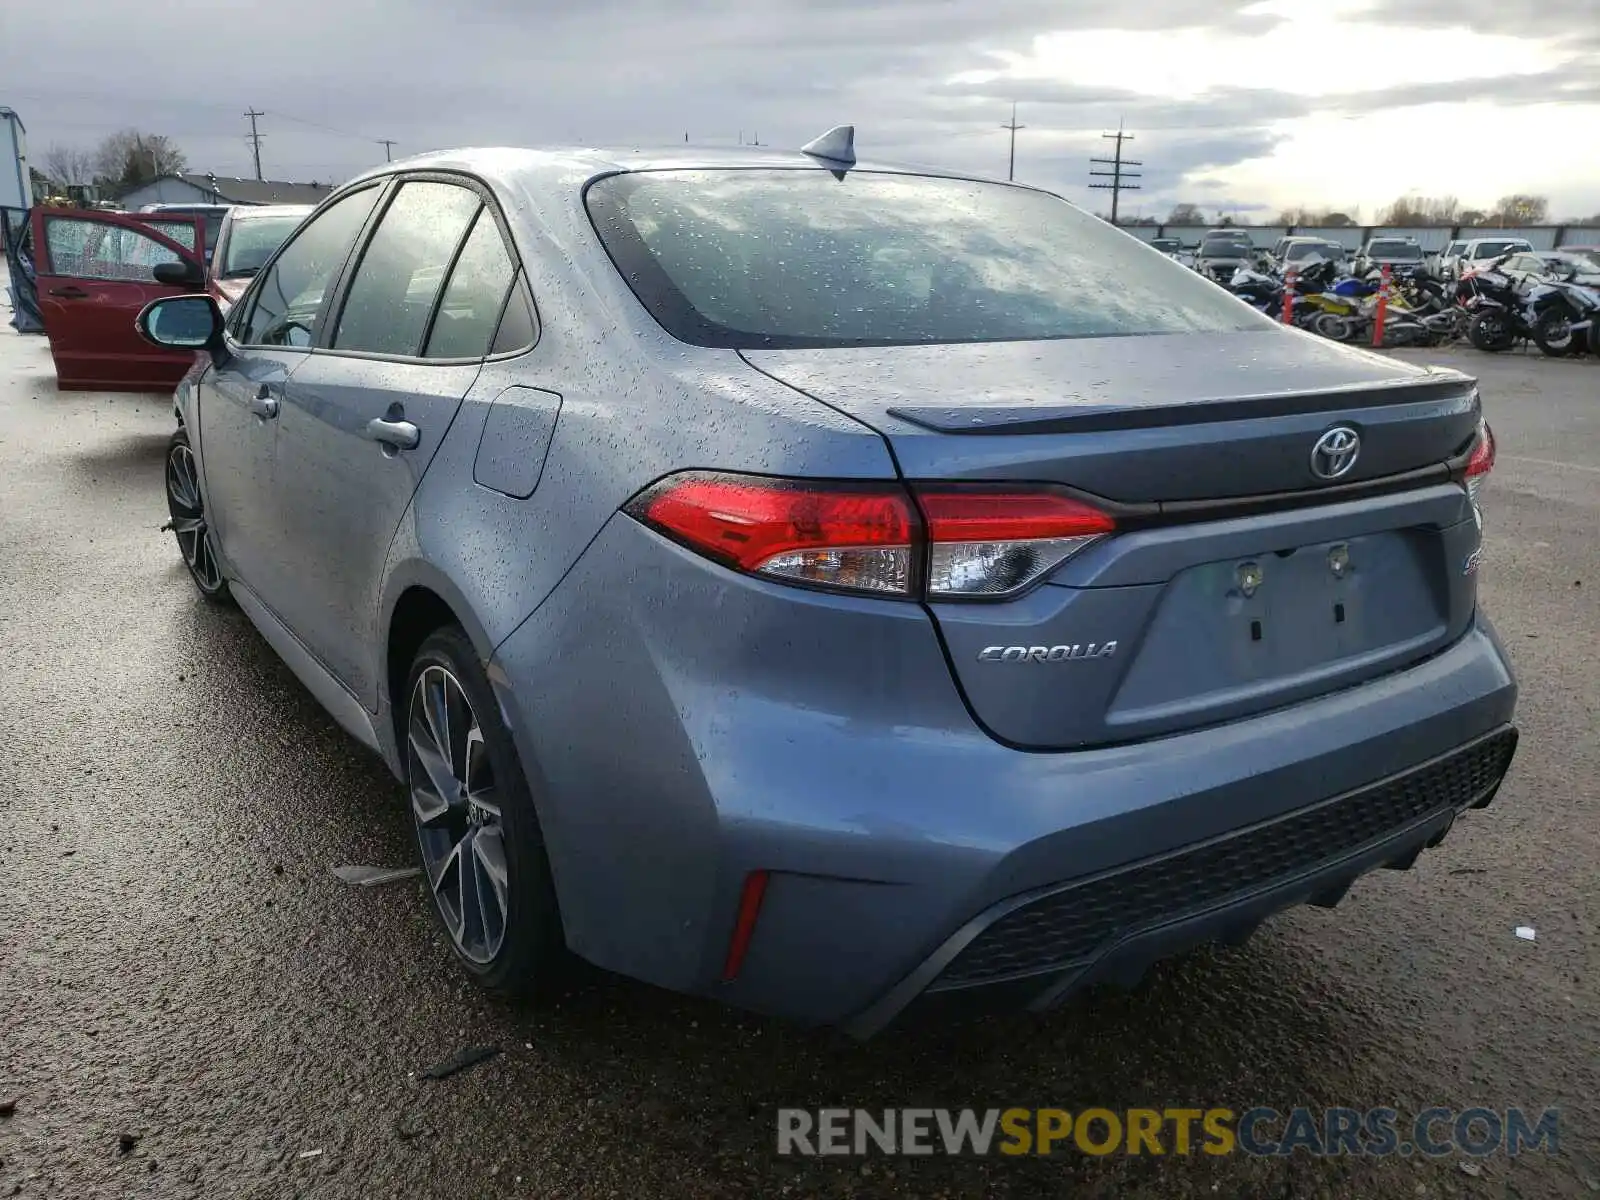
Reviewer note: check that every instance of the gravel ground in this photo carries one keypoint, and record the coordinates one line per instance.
(191, 1004)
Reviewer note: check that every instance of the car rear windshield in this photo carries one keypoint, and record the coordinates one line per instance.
(1301, 250)
(1495, 249)
(779, 259)
(1395, 249)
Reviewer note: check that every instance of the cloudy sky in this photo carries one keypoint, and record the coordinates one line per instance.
(1241, 106)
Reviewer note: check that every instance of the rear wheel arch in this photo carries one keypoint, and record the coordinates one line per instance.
(417, 613)
(420, 600)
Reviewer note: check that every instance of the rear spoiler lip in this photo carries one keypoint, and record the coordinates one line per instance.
(990, 420)
(1157, 513)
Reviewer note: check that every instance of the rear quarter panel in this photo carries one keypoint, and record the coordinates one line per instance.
(635, 405)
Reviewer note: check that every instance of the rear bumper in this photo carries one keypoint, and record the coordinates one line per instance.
(1036, 950)
(683, 727)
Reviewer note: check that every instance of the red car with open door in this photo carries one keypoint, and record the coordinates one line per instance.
(96, 271)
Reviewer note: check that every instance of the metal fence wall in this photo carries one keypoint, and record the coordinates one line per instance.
(1430, 237)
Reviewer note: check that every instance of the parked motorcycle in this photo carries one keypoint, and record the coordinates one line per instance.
(1566, 315)
(1555, 315)
(1264, 291)
(1419, 312)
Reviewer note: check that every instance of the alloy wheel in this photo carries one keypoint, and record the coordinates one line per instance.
(188, 518)
(456, 808)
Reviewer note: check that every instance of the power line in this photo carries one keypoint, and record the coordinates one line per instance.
(1117, 173)
(1011, 169)
(255, 138)
(387, 144)
(349, 133)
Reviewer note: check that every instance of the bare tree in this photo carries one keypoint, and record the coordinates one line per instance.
(1422, 210)
(1303, 216)
(1186, 214)
(67, 166)
(1521, 209)
(130, 157)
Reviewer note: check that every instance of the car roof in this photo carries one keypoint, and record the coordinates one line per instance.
(249, 212)
(558, 164)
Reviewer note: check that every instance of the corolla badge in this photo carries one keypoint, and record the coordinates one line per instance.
(1039, 654)
(1335, 452)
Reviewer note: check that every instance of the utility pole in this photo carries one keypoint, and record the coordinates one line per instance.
(387, 144)
(255, 138)
(1118, 171)
(1011, 169)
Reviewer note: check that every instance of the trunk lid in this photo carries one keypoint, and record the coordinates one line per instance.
(1238, 580)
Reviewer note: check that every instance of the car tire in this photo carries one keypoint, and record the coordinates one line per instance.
(186, 510)
(482, 851)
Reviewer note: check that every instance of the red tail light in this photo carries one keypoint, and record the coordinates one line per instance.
(854, 537)
(1483, 450)
(1479, 464)
(995, 543)
(954, 542)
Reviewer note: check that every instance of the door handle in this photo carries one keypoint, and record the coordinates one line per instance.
(69, 293)
(264, 404)
(402, 435)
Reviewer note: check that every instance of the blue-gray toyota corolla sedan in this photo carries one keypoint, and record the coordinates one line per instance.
(831, 587)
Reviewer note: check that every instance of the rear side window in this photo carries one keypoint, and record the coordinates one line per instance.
(402, 270)
(470, 309)
(518, 326)
(793, 258)
(288, 298)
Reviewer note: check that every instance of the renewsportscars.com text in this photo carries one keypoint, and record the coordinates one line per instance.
(1432, 1132)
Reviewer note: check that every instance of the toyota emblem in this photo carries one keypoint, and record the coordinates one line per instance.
(1335, 452)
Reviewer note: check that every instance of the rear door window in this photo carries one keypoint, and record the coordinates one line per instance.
(402, 270)
(474, 297)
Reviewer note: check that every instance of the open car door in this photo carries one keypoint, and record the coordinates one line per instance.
(94, 273)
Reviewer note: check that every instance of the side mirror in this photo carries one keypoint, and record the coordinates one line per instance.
(181, 322)
(184, 274)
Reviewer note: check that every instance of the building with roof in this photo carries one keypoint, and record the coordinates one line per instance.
(193, 188)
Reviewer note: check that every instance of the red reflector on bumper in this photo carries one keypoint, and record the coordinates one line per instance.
(755, 887)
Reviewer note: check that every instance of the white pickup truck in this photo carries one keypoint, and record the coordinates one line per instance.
(1469, 254)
